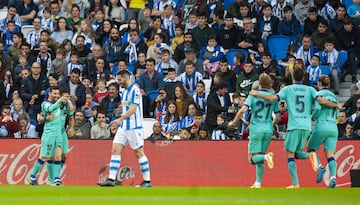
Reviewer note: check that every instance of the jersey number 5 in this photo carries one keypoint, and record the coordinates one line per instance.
(300, 101)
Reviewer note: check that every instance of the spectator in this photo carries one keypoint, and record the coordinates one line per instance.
(289, 26)
(159, 7)
(246, 79)
(130, 50)
(11, 15)
(190, 55)
(33, 37)
(82, 126)
(171, 121)
(27, 130)
(111, 103)
(140, 65)
(55, 11)
(100, 130)
(73, 22)
(301, 10)
(200, 97)
(8, 36)
(86, 31)
(160, 103)
(192, 22)
(202, 32)
(337, 24)
(349, 132)
(90, 64)
(268, 23)
(145, 21)
(102, 33)
(74, 62)
(350, 104)
(77, 90)
(67, 46)
(312, 21)
(154, 51)
(46, 22)
(329, 57)
(203, 133)
(278, 8)
(227, 75)
(348, 39)
(9, 127)
(244, 13)
(156, 29)
(169, 20)
(181, 49)
(188, 121)
(112, 50)
(322, 34)
(157, 133)
(59, 65)
(218, 102)
(82, 49)
(62, 31)
(88, 107)
(325, 10)
(166, 63)
(50, 47)
(342, 122)
(210, 55)
(190, 78)
(249, 37)
(5, 58)
(218, 133)
(314, 70)
(17, 109)
(149, 81)
(27, 12)
(80, 5)
(33, 90)
(179, 37)
(15, 49)
(116, 12)
(101, 92)
(182, 100)
(7, 85)
(306, 50)
(171, 81)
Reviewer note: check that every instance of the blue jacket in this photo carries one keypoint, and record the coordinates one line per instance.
(153, 84)
(289, 28)
(30, 86)
(79, 92)
(216, 56)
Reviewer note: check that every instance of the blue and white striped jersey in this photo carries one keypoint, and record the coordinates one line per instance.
(132, 95)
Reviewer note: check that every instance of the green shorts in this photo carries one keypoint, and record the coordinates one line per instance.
(259, 142)
(62, 141)
(295, 140)
(47, 146)
(328, 138)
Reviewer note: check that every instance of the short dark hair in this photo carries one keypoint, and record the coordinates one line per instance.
(221, 85)
(76, 71)
(151, 60)
(298, 74)
(287, 8)
(54, 88)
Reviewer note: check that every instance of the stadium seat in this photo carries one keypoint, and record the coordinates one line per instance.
(325, 70)
(152, 95)
(232, 52)
(347, 3)
(278, 45)
(26, 29)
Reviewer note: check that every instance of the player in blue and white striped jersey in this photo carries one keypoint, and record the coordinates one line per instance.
(129, 131)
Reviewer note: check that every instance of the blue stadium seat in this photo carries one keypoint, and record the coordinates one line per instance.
(325, 70)
(347, 3)
(232, 52)
(153, 94)
(278, 45)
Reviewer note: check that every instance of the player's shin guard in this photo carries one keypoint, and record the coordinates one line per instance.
(36, 168)
(114, 166)
(259, 158)
(292, 170)
(144, 166)
(50, 169)
(332, 166)
(57, 169)
(259, 172)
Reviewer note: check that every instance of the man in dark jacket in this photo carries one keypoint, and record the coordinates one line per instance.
(130, 50)
(110, 104)
(32, 90)
(76, 89)
(218, 102)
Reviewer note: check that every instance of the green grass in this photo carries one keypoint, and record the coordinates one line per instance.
(88, 195)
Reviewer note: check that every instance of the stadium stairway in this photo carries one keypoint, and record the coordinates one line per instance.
(344, 91)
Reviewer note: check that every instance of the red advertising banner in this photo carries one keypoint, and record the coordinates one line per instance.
(179, 163)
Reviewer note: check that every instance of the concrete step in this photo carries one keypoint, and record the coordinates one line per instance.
(345, 85)
(342, 99)
(344, 92)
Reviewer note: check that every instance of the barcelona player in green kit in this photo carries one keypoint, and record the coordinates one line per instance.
(52, 129)
(261, 127)
(326, 131)
(299, 99)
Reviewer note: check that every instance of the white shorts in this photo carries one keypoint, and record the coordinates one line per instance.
(132, 137)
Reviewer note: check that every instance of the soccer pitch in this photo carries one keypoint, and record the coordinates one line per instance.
(88, 195)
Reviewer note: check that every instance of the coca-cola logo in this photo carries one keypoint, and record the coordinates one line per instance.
(17, 167)
(124, 173)
(346, 154)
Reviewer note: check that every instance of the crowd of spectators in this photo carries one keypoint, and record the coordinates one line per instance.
(171, 47)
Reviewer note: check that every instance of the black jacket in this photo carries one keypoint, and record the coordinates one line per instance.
(105, 103)
(80, 91)
(214, 108)
(30, 86)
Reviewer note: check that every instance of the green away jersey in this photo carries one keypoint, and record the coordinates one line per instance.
(261, 118)
(326, 116)
(53, 126)
(299, 99)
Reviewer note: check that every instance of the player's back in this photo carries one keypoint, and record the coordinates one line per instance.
(299, 99)
(326, 116)
(261, 118)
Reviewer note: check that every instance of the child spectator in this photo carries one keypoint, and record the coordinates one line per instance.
(179, 36)
(192, 23)
(166, 63)
(154, 51)
(59, 65)
(218, 132)
(190, 77)
(19, 67)
(289, 67)
(116, 12)
(171, 81)
(171, 121)
(314, 70)
(330, 58)
(188, 120)
(74, 62)
(211, 54)
(203, 133)
(140, 65)
(160, 103)
(87, 84)
(200, 97)
(256, 56)
(93, 112)
(246, 79)
(289, 26)
(198, 121)
(89, 104)
(354, 10)
(98, 20)
(46, 22)
(268, 23)
(238, 65)
(8, 36)
(101, 92)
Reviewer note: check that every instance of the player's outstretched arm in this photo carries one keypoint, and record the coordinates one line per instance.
(270, 98)
(328, 103)
(238, 116)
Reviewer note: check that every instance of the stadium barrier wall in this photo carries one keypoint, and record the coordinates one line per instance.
(179, 163)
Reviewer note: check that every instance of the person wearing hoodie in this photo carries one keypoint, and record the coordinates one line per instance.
(246, 79)
(289, 26)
